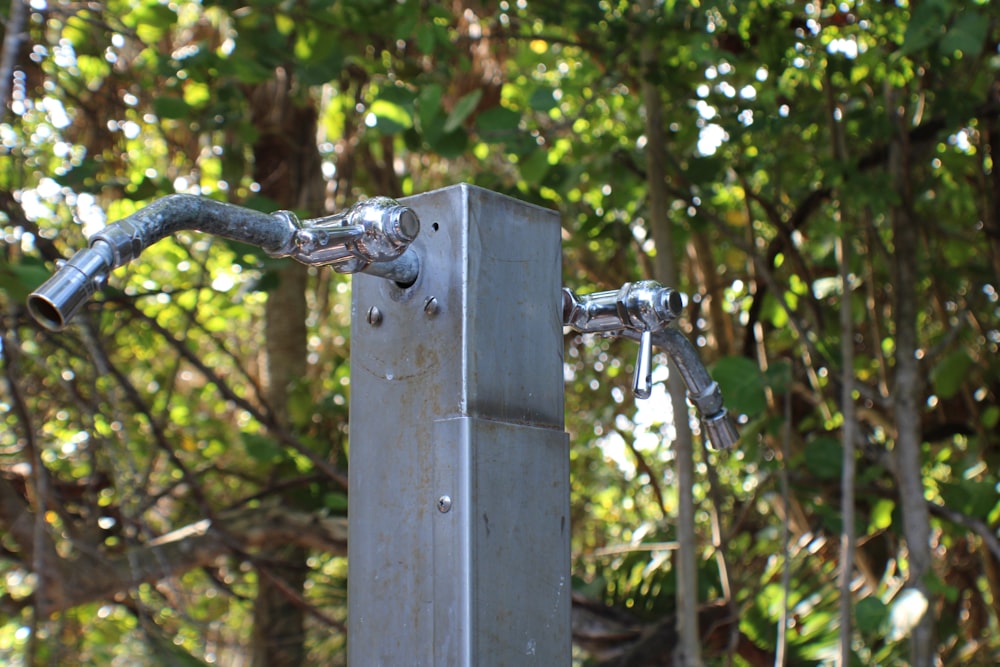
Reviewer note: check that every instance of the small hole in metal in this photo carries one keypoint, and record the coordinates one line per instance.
(435, 226)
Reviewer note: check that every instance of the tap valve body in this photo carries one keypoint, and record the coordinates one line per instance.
(642, 307)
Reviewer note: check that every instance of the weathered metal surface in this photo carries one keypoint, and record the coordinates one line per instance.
(459, 483)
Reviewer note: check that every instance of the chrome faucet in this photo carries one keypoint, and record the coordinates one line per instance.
(642, 311)
(372, 236)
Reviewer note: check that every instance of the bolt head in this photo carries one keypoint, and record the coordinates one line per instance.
(374, 316)
(444, 504)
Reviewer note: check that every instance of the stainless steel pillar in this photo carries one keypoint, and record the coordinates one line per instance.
(459, 464)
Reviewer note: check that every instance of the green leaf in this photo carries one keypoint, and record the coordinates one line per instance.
(940, 588)
(949, 373)
(449, 144)
(871, 614)
(967, 35)
(498, 121)
(76, 30)
(261, 448)
(390, 118)
(970, 497)
(80, 176)
(170, 107)
(772, 311)
(335, 502)
(30, 271)
(426, 36)
(778, 376)
(197, 94)
(881, 515)
(398, 95)
(151, 21)
(705, 169)
(465, 106)
(407, 18)
(991, 416)
(250, 70)
(147, 188)
(19, 280)
(824, 457)
(321, 56)
(925, 25)
(543, 99)
(534, 167)
(429, 108)
(742, 385)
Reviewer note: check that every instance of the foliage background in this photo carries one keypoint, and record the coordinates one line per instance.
(826, 190)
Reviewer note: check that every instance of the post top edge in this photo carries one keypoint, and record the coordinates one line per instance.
(470, 191)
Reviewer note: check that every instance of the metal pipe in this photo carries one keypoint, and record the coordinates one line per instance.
(375, 231)
(591, 313)
(403, 270)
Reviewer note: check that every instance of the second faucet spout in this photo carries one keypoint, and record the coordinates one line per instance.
(642, 311)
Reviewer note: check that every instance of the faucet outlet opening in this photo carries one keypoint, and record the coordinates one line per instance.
(46, 313)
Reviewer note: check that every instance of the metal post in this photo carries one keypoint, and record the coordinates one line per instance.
(459, 463)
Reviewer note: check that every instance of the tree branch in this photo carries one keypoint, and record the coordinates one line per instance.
(980, 528)
(88, 578)
(282, 434)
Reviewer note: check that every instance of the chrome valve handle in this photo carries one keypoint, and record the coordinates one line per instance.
(642, 381)
(372, 236)
(642, 311)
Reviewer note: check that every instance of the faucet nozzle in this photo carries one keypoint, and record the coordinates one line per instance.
(62, 295)
(721, 430)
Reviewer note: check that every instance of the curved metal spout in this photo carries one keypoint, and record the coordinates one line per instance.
(375, 231)
(703, 391)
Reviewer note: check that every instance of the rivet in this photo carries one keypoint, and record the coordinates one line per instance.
(444, 504)
(374, 316)
(431, 306)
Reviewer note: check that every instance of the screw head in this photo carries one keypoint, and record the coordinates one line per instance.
(374, 316)
(444, 504)
(431, 306)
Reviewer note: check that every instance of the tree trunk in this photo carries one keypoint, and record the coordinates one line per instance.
(287, 166)
(991, 205)
(847, 482)
(847, 435)
(906, 397)
(279, 630)
(689, 645)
